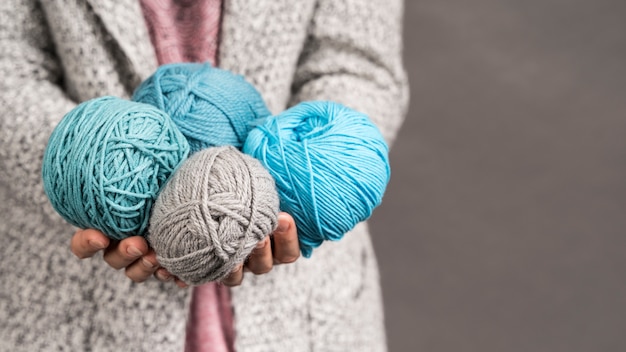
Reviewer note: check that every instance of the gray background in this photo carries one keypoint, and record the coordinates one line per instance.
(503, 227)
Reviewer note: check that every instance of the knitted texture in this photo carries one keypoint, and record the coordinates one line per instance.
(212, 107)
(107, 160)
(212, 213)
(59, 52)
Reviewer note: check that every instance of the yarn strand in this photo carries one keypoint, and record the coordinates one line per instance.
(107, 160)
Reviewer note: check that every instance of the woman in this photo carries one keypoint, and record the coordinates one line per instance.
(57, 53)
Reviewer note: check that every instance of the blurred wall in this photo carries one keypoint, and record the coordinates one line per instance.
(504, 227)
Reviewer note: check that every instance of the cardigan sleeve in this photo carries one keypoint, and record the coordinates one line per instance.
(353, 56)
(31, 97)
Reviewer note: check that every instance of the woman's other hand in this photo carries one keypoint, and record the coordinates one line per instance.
(281, 247)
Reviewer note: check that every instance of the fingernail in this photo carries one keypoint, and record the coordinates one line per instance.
(147, 263)
(97, 244)
(163, 277)
(262, 244)
(283, 224)
(134, 251)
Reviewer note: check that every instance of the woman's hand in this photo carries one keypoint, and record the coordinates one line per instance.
(132, 254)
(139, 261)
(281, 247)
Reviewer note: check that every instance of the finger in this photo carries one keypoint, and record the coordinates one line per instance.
(235, 278)
(286, 247)
(86, 243)
(260, 260)
(126, 252)
(141, 270)
(163, 275)
(180, 283)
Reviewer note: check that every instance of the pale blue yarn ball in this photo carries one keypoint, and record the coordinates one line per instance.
(210, 106)
(330, 164)
(106, 162)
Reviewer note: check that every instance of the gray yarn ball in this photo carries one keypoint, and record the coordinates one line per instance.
(211, 214)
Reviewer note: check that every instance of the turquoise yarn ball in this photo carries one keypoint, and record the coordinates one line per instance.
(106, 162)
(330, 164)
(210, 106)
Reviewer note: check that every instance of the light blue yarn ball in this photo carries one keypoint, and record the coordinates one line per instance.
(211, 106)
(106, 162)
(330, 164)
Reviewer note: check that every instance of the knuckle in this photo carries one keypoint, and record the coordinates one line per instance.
(137, 278)
(288, 259)
(232, 282)
(148, 264)
(113, 264)
(163, 275)
(116, 266)
(78, 254)
(75, 249)
(263, 270)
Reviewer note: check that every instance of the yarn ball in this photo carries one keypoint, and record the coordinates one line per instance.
(209, 217)
(106, 161)
(211, 106)
(330, 164)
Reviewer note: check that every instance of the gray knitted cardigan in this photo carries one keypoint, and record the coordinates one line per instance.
(55, 53)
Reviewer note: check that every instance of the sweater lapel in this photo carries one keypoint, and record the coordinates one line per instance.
(124, 21)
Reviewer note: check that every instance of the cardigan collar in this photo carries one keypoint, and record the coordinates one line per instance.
(130, 33)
